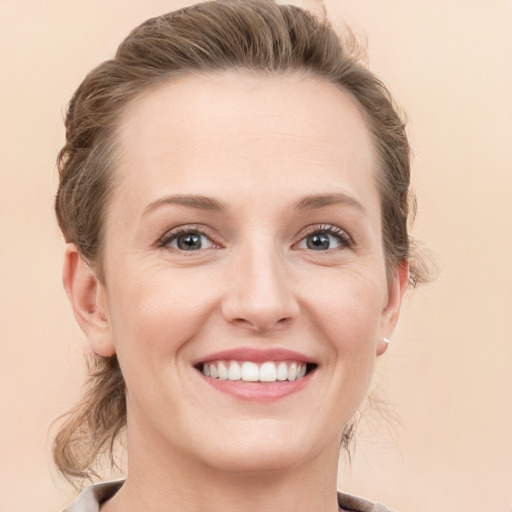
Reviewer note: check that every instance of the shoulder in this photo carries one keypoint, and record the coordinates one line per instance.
(349, 503)
(90, 499)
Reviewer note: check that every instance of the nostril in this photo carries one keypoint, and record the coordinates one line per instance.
(260, 305)
(261, 325)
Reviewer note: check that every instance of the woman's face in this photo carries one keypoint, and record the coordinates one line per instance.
(244, 239)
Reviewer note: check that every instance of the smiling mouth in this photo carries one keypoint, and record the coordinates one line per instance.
(250, 371)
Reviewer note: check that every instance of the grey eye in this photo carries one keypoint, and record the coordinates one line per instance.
(319, 241)
(191, 241)
(325, 239)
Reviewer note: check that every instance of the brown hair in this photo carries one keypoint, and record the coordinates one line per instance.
(255, 35)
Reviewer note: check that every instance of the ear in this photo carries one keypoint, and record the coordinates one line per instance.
(391, 310)
(88, 299)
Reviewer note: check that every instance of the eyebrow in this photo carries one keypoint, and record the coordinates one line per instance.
(310, 202)
(191, 201)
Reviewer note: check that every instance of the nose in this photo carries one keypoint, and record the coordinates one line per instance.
(259, 292)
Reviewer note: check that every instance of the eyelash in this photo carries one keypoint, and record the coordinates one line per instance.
(341, 235)
(175, 233)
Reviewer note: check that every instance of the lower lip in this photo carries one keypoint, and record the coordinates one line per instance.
(258, 391)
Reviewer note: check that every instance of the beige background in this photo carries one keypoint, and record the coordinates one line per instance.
(448, 370)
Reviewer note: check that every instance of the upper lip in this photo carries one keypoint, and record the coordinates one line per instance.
(256, 355)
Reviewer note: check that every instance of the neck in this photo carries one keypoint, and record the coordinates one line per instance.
(168, 481)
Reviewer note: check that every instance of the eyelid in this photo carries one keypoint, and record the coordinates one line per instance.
(345, 238)
(201, 229)
(176, 231)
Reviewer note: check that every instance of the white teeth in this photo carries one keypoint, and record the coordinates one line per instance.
(249, 371)
(292, 371)
(234, 372)
(268, 372)
(223, 371)
(282, 371)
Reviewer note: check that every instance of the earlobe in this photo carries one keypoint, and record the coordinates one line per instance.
(391, 310)
(87, 296)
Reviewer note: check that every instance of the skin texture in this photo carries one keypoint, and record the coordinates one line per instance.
(255, 146)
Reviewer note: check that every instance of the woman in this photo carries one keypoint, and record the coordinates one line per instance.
(234, 194)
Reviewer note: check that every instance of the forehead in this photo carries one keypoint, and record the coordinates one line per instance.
(204, 130)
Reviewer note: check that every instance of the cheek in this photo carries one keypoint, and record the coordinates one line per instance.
(154, 314)
(345, 317)
(347, 309)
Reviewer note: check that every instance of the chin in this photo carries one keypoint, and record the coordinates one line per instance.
(262, 461)
(263, 451)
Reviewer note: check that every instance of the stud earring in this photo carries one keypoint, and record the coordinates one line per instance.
(386, 340)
